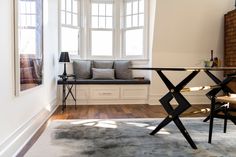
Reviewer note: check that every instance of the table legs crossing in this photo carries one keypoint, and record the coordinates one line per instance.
(173, 114)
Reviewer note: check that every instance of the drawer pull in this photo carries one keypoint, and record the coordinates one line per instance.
(105, 93)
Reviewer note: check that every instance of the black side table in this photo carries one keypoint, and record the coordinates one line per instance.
(66, 82)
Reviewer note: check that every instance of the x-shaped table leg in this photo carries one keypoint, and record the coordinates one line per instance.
(173, 114)
(70, 92)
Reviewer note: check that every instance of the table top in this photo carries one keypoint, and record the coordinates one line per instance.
(185, 68)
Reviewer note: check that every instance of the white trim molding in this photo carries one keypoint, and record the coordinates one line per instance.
(14, 143)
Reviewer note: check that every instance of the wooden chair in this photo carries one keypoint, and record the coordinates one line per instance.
(225, 109)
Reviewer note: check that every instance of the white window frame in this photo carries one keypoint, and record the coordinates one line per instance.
(118, 32)
(79, 28)
(90, 29)
(144, 56)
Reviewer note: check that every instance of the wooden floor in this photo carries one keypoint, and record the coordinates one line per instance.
(113, 112)
(123, 111)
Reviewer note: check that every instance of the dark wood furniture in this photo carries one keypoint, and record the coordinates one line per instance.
(67, 84)
(175, 93)
(222, 107)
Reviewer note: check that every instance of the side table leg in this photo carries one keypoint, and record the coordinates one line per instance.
(63, 97)
(75, 97)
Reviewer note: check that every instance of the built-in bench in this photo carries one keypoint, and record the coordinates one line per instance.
(106, 82)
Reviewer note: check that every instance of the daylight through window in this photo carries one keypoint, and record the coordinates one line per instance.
(115, 29)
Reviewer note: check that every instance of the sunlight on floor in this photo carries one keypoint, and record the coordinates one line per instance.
(138, 124)
(113, 125)
(97, 123)
(145, 125)
(161, 132)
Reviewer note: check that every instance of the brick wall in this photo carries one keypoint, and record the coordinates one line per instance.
(230, 40)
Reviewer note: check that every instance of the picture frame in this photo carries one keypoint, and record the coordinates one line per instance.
(28, 44)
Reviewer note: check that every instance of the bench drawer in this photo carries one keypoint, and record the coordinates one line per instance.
(105, 93)
(134, 92)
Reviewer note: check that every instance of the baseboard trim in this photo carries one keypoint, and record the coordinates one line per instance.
(104, 102)
(19, 138)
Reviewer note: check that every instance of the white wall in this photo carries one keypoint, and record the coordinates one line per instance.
(17, 113)
(185, 32)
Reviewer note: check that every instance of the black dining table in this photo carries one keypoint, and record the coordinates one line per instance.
(175, 92)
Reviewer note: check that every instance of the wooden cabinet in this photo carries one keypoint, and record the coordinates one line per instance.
(108, 94)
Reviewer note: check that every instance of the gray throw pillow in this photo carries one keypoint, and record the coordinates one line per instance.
(103, 74)
(103, 64)
(122, 70)
(82, 69)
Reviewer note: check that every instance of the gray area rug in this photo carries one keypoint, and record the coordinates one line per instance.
(130, 138)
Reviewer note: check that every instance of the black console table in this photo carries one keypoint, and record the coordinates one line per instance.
(66, 84)
(175, 92)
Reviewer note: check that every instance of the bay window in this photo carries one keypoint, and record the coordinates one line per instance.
(115, 29)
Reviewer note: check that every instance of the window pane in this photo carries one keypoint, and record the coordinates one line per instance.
(22, 8)
(128, 8)
(141, 6)
(141, 20)
(68, 5)
(134, 42)
(94, 22)
(22, 21)
(108, 22)
(33, 20)
(101, 43)
(135, 20)
(63, 6)
(75, 20)
(69, 40)
(27, 39)
(135, 7)
(28, 20)
(27, 7)
(109, 10)
(68, 18)
(128, 21)
(102, 10)
(94, 9)
(63, 17)
(75, 6)
(102, 22)
(33, 7)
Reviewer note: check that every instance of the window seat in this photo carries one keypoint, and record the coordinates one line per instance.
(105, 82)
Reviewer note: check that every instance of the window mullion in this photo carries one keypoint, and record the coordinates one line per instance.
(71, 13)
(138, 13)
(132, 13)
